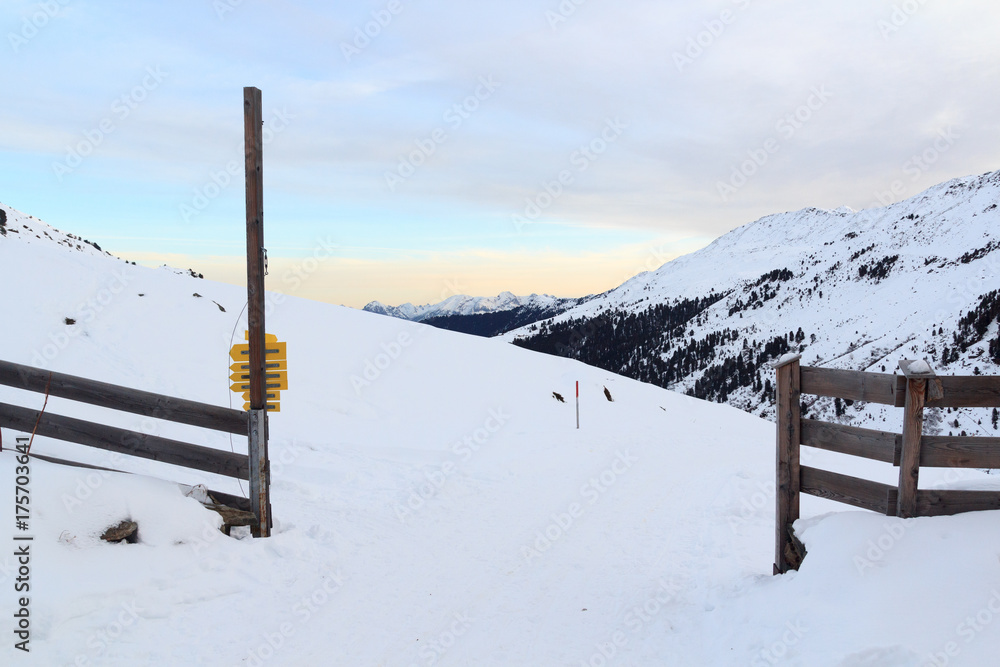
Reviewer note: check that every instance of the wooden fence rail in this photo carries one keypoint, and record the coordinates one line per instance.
(914, 390)
(124, 399)
(123, 441)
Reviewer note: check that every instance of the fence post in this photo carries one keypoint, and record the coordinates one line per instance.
(913, 426)
(789, 417)
(260, 473)
(260, 498)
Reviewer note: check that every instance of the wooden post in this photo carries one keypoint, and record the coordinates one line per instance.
(787, 474)
(913, 425)
(577, 404)
(260, 501)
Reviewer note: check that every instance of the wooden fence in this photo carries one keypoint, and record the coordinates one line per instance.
(123, 441)
(909, 450)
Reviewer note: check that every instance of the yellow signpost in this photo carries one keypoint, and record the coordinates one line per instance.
(268, 366)
(277, 381)
(275, 376)
(241, 352)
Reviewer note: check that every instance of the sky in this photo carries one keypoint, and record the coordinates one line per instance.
(416, 150)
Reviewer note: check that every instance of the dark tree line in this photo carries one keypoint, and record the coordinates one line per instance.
(757, 299)
(656, 346)
(857, 254)
(979, 253)
(879, 270)
(491, 324)
(778, 275)
(761, 291)
(608, 340)
(973, 326)
(743, 370)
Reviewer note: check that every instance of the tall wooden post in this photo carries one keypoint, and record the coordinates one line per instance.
(260, 473)
(913, 426)
(787, 475)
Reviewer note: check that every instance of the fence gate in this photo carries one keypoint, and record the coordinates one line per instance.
(122, 441)
(917, 387)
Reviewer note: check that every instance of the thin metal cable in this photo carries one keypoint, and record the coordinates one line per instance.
(48, 385)
(232, 337)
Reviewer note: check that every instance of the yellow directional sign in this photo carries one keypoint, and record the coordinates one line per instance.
(271, 381)
(271, 407)
(272, 351)
(273, 400)
(271, 396)
(275, 375)
(281, 365)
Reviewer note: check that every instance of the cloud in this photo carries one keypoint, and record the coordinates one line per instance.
(749, 65)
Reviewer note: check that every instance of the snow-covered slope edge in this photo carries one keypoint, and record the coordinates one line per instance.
(435, 505)
(482, 316)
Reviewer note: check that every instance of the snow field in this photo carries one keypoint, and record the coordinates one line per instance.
(447, 511)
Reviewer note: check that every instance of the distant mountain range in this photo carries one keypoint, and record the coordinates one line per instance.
(481, 316)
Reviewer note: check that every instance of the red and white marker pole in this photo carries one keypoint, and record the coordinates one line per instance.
(578, 404)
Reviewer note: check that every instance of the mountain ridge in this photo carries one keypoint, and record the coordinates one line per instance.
(463, 304)
(847, 289)
(481, 316)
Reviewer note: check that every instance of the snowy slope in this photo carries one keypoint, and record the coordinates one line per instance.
(435, 505)
(865, 288)
(461, 304)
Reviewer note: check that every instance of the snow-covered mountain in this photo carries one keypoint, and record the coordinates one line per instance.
(435, 505)
(858, 290)
(462, 304)
(479, 315)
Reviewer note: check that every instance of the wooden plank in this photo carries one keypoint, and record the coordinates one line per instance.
(861, 493)
(900, 391)
(909, 462)
(945, 451)
(125, 442)
(787, 464)
(238, 502)
(73, 464)
(112, 396)
(892, 501)
(968, 391)
(863, 442)
(946, 502)
(232, 516)
(932, 388)
(850, 385)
